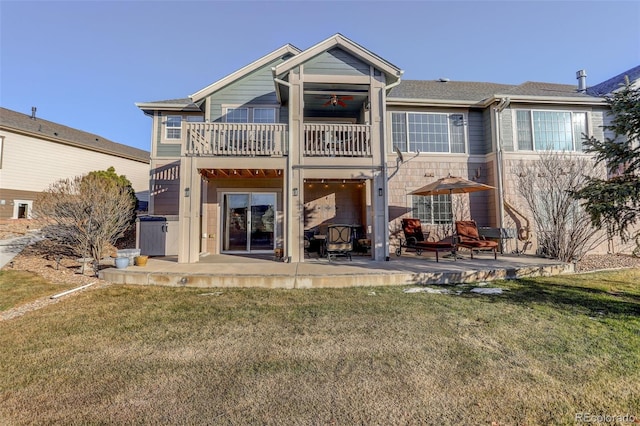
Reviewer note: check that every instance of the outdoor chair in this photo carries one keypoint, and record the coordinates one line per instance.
(339, 241)
(415, 239)
(469, 237)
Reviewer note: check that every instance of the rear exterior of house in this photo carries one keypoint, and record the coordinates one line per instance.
(298, 140)
(34, 153)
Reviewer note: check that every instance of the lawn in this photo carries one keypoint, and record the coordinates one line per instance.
(19, 287)
(542, 352)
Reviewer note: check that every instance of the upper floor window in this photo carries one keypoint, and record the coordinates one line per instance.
(174, 127)
(264, 115)
(237, 115)
(251, 115)
(550, 130)
(433, 209)
(428, 132)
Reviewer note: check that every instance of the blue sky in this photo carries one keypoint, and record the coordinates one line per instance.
(85, 63)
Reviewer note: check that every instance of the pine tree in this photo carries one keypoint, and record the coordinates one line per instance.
(614, 203)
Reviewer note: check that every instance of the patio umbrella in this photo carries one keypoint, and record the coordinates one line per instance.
(451, 185)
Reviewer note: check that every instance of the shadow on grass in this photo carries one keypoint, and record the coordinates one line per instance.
(586, 300)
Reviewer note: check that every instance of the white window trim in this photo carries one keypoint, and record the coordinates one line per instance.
(16, 206)
(166, 127)
(465, 121)
(514, 127)
(431, 220)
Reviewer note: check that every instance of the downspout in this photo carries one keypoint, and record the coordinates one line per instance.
(290, 205)
(385, 182)
(504, 103)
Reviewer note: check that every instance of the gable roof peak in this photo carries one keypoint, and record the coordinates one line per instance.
(282, 51)
(338, 40)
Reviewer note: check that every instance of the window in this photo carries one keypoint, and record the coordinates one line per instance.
(174, 127)
(433, 209)
(264, 115)
(428, 132)
(251, 115)
(237, 115)
(550, 130)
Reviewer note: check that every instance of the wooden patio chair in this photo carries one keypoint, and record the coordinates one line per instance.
(469, 237)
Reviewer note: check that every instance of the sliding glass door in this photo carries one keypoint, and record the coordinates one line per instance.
(249, 222)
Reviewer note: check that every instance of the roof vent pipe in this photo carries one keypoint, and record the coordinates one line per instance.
(582, 81)
(33, 113)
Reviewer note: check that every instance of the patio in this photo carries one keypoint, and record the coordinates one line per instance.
(262, 271)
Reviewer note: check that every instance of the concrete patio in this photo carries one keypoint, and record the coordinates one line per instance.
(262, 271)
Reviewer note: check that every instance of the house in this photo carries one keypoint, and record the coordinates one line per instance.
(299, 139)
(34, 153)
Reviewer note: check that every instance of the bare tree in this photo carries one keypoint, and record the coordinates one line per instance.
(563, 227)
(86, 213)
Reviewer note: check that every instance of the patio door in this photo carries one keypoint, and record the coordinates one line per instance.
(249, 222)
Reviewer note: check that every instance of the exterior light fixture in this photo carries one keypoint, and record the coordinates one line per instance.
(380, 192)
(295, 192)
(187, 192)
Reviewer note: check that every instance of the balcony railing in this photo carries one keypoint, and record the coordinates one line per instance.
(337, 140)
(253, 139)
(235, 139)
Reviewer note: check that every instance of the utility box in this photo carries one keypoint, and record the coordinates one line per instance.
(157, 235)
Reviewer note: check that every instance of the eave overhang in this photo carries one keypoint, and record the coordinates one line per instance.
(150, 107)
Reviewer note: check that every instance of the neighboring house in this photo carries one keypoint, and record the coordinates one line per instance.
(616, 83)
(332, 135)
(34, 153)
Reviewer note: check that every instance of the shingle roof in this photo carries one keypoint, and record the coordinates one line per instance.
(609, 86)
(476, 91)
(22, 122)
(532, 88)
(450, 90)
(182, 101)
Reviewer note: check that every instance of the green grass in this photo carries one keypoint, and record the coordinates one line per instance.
(20, 287)
(541, 352)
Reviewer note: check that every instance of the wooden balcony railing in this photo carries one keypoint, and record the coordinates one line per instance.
(337, 140)
(253, 139)
(235, 139)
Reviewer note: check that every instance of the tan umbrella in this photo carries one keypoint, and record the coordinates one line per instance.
(451, 185)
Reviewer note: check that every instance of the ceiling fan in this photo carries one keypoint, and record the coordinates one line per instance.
(337, 100)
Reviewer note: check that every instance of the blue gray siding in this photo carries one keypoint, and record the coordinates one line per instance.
(476, 134)
(487, 130)
(165, 149)
(336, 62)
(600, 118)
(255, 88)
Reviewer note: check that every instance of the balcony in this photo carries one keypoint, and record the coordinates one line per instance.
(271, 140)
(235, 139)
(337, 140)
